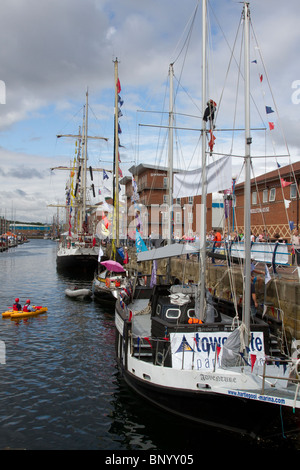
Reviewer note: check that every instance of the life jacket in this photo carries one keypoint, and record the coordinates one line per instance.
(16, 306)
(25, 308)
(194, 320)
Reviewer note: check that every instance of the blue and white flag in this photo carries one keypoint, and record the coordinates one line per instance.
(139, 243)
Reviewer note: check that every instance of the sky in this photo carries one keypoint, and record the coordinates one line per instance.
(52, 52)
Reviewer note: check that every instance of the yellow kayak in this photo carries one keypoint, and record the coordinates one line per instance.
(20, 314)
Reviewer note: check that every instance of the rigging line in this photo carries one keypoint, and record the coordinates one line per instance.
(187, 39)
(232, 58)
(267, 77)
(231, 49)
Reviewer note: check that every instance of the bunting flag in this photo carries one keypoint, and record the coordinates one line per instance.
(135, 195)
(118, 86)
(153, 274)
(269, 110)
(139, 243)
(105, 175)
(267, 275)
(271, 126)
(100, 254)
(254, 62)
(261, 78)
(211, 143)
(253, 360)
(287, 203)
(285, 183)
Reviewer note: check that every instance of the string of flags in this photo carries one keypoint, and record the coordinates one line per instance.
(269, 109)
(120, 114)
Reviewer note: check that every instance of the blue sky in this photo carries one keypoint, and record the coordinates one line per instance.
(52, 51)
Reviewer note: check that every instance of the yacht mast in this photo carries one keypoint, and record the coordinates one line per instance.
(204, 176)
(116, 162)
(247, 217)
(83, 212)
(170, 154)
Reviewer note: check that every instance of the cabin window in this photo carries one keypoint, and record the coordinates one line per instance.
(272, 194)
(293, 191)
(254, 197)
(173, 313)
(265, 195)
(158, 309)
(191, 199)
(191, 313)
(166, 182)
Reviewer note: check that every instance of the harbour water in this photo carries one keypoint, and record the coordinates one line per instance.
(60, 388)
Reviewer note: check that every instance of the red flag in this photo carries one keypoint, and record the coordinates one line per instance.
(211, 143)
(148, 340)
(118, 86)
(261, 78)
(271, 125)
(285, 183)
(253, 360)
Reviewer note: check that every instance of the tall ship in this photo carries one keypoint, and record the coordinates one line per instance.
(78, 247)
(189, 352)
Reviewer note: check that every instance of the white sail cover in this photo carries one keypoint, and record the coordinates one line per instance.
(219, 177)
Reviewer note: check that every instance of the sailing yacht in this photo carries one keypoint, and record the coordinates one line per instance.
(112, 281)
(198, 356)
(77, 247)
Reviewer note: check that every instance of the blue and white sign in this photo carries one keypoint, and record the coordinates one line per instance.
(200, 351)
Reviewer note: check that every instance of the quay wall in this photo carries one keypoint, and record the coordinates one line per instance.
(281, 294)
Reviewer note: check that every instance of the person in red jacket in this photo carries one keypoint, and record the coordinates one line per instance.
(217, 238)
(17, 305)
(27, 307)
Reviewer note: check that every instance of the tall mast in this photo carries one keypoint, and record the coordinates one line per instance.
(116, 160)
(204, 177)
(85, 139)
(248, 140)
(170, 154)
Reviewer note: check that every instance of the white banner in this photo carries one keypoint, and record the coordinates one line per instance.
(199, 350)
(189, 183)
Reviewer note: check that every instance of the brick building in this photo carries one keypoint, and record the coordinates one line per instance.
(152, 188)
(274, 202)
